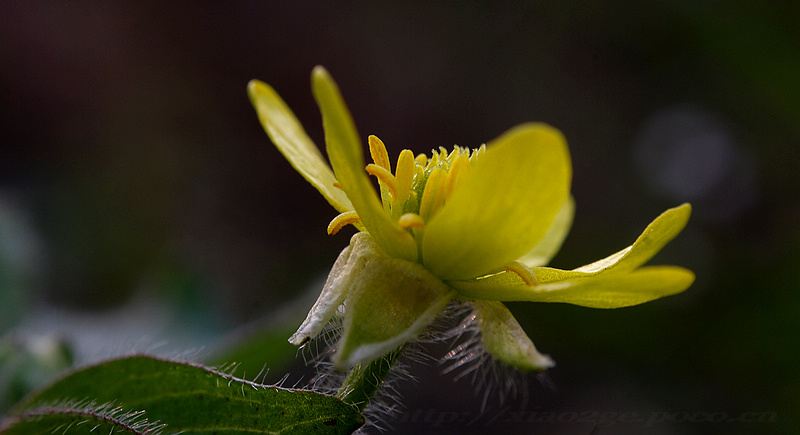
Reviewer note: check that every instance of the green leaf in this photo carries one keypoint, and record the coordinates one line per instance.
(72, 418)
(258, 346)
(346, 154)
(503, 208)
(184, 397)
(290, 138)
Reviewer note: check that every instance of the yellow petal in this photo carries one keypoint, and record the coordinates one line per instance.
(552, 241)
(347, 159)
(503, 207)
(609, 283)
(288, 135)
(600, 291)
(663, 229)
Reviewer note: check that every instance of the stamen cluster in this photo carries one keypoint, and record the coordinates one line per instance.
(419, 186)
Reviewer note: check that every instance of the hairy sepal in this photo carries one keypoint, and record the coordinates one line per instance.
(390, 301)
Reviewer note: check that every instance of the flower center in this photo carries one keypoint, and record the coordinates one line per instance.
(419, 186)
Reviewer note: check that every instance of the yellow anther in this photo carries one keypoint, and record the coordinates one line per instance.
(378, 152)
(404, 176)
(433, 195)
(523, 271)
(411, 220)
(458, 171)
(476, 153)
(422, 159)
(384, 176)
(433, 162)
(343, 220)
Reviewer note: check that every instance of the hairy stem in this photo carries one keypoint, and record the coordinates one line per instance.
(364, 380)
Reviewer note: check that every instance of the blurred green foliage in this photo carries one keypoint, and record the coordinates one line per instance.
(28, 362)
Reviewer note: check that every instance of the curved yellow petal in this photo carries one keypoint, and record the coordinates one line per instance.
(288, 135)
(663, 229)
(609, 283)
(347, 159)
(503, 207)
(548, 247)
(600, 291)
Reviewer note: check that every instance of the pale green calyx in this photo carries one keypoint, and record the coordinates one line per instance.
(388, 302)
(478, 225)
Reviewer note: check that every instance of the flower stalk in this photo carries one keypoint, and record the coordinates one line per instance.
(365, 379)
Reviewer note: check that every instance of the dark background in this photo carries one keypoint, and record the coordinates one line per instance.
(141, 203)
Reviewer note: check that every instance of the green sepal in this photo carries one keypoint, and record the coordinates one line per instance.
(333, 292)
(505, 339)
(389, 303)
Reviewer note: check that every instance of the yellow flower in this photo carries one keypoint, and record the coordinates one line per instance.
(474, 225)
